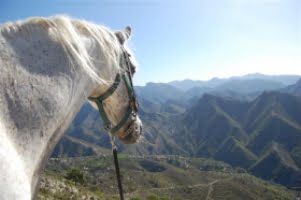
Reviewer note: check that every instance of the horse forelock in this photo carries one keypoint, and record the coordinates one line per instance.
(70, 32)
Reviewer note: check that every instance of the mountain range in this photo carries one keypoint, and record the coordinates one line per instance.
(216, 82)
(252, 122)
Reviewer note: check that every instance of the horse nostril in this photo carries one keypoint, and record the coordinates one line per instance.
(141, 128)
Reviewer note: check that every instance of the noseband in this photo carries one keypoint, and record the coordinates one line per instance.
(132, 110)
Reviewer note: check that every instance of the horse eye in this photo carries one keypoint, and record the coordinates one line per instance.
(133, 69)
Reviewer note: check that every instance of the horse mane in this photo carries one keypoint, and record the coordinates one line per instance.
(69, 32)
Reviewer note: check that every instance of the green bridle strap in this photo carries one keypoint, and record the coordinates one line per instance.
(99, 103)
(109, 91)
(128, 86)
(123, 121)
(132, 109)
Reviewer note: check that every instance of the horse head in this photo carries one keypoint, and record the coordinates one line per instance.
(117, 103)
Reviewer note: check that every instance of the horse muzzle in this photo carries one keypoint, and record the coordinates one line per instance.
(132, 132)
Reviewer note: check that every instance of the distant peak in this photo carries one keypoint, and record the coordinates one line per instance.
(257, 73)
(215, 78)
(151, 83)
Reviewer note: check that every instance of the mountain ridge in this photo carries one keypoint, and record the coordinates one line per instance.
(214, 82)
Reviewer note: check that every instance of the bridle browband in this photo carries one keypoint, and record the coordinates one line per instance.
(132, 110)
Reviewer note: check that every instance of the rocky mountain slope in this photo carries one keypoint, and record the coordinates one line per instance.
(258, 135)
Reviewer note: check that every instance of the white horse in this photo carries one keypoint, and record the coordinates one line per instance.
(48, 68)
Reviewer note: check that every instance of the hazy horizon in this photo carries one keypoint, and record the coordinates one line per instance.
(226, 77)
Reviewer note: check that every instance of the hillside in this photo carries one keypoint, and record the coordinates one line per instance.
(154, 177)
(294, 89)
(279, 165)
(234, 153)
(242, 133)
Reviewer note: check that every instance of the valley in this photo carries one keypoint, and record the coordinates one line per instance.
(247, 124)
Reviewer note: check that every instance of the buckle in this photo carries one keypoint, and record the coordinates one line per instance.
(107, 127)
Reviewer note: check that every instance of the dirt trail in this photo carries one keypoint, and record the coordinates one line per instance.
(210, 190)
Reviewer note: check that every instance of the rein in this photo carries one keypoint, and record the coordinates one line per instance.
(117, 170)
(131, 111)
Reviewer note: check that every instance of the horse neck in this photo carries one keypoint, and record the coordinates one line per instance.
(40, 94)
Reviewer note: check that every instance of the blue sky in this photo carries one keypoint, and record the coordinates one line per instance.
(201, 39)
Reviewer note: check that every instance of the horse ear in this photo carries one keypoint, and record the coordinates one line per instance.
(124, 35)
(128, 31)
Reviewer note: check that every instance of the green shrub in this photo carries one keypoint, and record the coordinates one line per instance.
(76, 175)
(240, 170)
(155, 197)
(135, 198)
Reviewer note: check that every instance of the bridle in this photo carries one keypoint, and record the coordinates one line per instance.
(132, 110)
